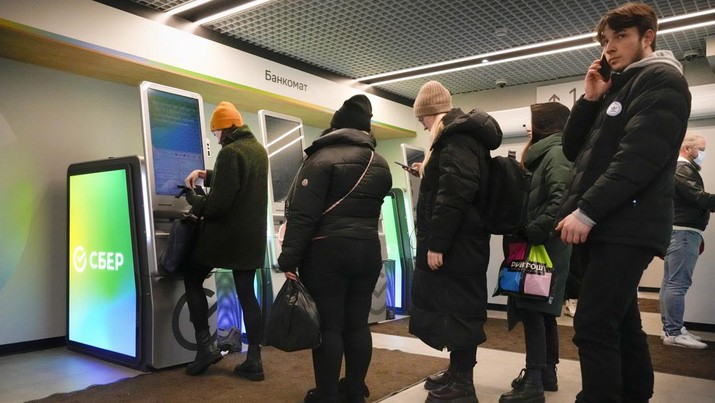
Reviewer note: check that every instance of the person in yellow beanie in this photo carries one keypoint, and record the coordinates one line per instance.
(232, 235)
(449, 292)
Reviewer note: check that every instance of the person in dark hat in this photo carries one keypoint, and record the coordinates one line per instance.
(549, 168)
(331, 240)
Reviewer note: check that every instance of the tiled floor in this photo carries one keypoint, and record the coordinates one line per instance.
(40, 374)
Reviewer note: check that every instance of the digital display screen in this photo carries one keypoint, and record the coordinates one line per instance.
(102, 301)
(175, 125)
(285, 152)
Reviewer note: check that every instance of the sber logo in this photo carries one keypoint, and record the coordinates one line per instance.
(96, 260)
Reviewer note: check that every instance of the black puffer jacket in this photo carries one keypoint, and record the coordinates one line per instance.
(692, 204)
(449, 304)
(333, 165)
(624, 149)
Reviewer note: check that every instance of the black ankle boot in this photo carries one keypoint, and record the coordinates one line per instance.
(549, 379)
(206, 353)
(528, 388)
(252, 368)
(353, 393)
(438, 380)
(460, 389)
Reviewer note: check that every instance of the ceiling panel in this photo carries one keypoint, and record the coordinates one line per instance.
(358, 38)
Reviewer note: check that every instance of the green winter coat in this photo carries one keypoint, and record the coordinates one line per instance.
(232, 234)
(550, 170)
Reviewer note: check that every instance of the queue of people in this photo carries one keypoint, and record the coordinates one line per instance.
(603, 181)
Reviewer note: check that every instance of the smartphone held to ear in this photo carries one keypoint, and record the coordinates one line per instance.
(605, 70)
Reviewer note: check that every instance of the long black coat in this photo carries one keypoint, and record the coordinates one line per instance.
(233, 232)
(449, 304)
(624, 149)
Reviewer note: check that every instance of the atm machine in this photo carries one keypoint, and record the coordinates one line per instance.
(282, 135)
(398, 222)
(121, 306)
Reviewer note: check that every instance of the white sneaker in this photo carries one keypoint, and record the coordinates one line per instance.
(685, 331)
(684, 341)
(570, 309)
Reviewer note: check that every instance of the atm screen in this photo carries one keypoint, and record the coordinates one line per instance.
(283, 139)
(176, 139)
(102, 295)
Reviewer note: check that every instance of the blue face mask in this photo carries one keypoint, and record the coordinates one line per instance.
(700, 158)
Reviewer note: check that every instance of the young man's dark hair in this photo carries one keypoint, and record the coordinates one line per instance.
(637, 15)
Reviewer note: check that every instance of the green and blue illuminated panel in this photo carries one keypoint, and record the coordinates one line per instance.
(102, 299)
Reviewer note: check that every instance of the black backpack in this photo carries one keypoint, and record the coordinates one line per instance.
(504, 205)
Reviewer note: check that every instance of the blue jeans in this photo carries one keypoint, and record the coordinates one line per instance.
(678, 270)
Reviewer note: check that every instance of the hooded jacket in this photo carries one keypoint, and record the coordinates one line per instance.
(449, 304)
(624, 147)
(232, 234)
(550, 171)
(333, 165)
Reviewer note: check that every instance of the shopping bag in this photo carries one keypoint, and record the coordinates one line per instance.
(182, 238)
(293, 323)
(527, 271)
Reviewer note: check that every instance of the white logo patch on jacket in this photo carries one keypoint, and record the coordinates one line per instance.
(614, 109)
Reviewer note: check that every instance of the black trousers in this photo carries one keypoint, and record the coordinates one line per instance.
(199, 307)
(612, 346)
(340, 274)
(542, 339)
(576, 269)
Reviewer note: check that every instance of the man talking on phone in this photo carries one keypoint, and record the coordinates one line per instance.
(623, 136)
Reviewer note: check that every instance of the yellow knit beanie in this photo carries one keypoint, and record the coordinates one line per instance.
(225, 116)
(432, 99)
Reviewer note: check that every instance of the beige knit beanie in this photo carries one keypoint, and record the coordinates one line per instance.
(432, 99)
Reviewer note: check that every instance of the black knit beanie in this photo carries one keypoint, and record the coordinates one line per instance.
(355, 113)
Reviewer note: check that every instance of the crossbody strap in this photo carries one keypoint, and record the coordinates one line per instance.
(372, 154)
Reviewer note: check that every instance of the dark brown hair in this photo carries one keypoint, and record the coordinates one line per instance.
(629, 15)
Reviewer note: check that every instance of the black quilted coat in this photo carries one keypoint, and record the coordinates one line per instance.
(333, 165)
(624, 149)
(449, 304)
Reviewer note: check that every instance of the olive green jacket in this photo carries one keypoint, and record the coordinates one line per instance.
(232, 234)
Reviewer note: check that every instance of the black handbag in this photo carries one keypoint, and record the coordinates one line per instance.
(182, 238)
(293, 323)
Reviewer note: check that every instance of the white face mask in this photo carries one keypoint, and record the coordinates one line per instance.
(700, 158)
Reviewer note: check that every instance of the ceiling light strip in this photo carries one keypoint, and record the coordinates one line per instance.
(668, 25)
(490, 55)
(491, 63)
(186, 7)
(231, 11)
(513, 54)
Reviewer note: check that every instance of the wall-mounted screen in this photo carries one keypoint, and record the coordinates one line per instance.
(174, 140)
(283, 139)
(103, 298)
